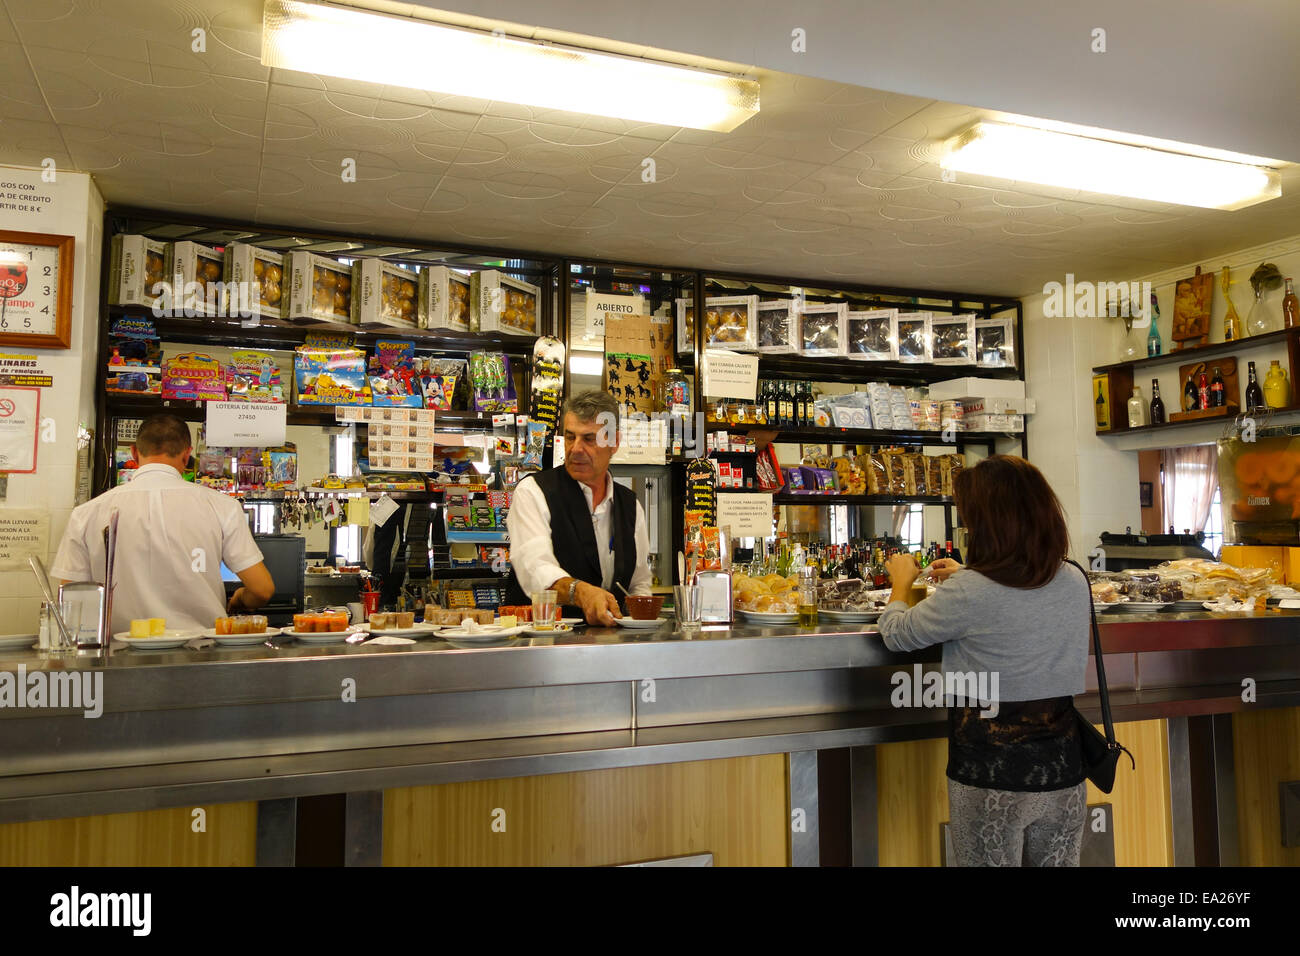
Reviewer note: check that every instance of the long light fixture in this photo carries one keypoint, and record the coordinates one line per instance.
(400, 51)
(1050, 158)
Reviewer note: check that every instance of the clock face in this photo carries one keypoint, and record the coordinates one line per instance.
(29, 288)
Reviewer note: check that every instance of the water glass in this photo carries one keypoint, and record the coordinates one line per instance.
(71, 611)
(545, 613)
(688, 605)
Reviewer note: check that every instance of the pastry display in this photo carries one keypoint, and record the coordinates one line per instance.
(137, 264)
(850, 594)
(383, 294)
(822, 329)
(241, 624)
(952, 340)
(258, 280)
(778, 332)
(148, 627)
(914, 337)
(443, 297)
(730, 322)
(872, 336)
(392, 620)
(453, 618)
(320, 289)
(320, 622)
(197, 272)
(499, 303)
(771, 593)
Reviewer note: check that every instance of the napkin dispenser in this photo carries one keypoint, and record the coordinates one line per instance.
(715, 596)
(87, 603)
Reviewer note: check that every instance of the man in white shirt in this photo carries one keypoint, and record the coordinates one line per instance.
(172, 537)
(573, 530)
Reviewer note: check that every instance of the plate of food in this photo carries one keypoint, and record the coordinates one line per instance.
(241, 640)
(850, 615)
(1140, 607)
(173, 637)
(771, 617)
(481, 633)
(320, 637)
(417, 630)
(559, 629)
(1186, 605)
(9, 642)
(1101, 607)
(634, 622)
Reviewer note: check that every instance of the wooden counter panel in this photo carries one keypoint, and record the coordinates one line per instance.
(1266, 752)
(149, 838)
(912, 794)
(734, 808)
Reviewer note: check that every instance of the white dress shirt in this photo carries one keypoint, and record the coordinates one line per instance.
(172, 536)
(533, 558)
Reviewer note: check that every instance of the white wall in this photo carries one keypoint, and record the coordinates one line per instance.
(77, 209)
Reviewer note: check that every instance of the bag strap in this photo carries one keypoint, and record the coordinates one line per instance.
(1102, 692)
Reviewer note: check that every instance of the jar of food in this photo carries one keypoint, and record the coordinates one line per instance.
(676, 393)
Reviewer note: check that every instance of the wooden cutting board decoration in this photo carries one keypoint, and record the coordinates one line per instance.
(1193, 298)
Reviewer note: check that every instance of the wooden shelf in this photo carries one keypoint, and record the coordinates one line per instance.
(1182, 356)
(863, 436)
(1221, 420)
(837, 368)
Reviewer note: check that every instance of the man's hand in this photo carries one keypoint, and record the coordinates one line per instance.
(235, 604)
(944, 568)
(598, 605)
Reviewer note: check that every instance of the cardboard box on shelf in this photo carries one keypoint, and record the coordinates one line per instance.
(961, 389)
(320, 290)
(993, 423)
(499, 303)
(258, 279)
(1000, 406)
(444, 299)
(383, 294)
(136, 265)
(197, 276)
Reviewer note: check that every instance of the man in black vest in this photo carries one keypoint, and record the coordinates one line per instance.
(573, 529)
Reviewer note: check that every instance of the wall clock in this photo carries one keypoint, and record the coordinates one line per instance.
(35, 290)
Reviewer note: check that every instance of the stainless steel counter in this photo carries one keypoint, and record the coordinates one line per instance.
(186, 727)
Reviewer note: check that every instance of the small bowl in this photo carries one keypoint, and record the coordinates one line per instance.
(644, 607)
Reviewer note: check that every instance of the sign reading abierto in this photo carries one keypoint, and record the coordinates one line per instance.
(730, 375)
(245, 424)
(599, 306)
(23, 370)
(747, 516)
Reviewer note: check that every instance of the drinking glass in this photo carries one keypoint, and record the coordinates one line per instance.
(544, 610)
(687, 605)
(71, 611)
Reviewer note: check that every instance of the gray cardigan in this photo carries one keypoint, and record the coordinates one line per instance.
(1036, 640)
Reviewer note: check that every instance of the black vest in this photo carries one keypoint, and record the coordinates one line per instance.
(573, 538)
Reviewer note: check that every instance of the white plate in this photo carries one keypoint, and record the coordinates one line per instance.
(318, 637)
(633, 622)
(1140, 607)
(241, 640)
(486, 632)
(495, 641)
(850, 617)
(169, 638)
(387, 640)
(553, 632)
(573, 621)
(1101, 606)
(420, 630)
(11, 641)
(770, 617)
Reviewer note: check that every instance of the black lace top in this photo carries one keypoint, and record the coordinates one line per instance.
(1031, 745)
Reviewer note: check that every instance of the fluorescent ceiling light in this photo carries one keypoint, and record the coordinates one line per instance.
(399, 51)
(1023, 154)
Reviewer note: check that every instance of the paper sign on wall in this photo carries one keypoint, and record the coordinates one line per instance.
(641, 442)
(730, 375)
(20, 410)
(598, 307)
(245, 424)
(23, 531)
(748, 516)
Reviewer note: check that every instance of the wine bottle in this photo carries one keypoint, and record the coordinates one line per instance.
(769, 399)
(1157, 404)
(1191, 401)
(1254, 394)
(1290, 308)
(787, 406)
(1103, 420)
(1218, 396)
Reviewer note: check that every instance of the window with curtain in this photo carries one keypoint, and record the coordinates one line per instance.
(1190, 488)
(913, 530)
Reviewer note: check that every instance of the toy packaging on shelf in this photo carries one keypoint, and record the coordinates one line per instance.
(438, 379)
(393, 376)
(254, 377)
(778, 331)
(194, 376)
(197, 273)
(914, 342)
(320, 290)
(952, 339)
(329, 371)
(546, 387)
(257, 276)
(499, 303)
(137, 265)
(135, 357)
(494, 389)
(873, 335)
(822, 329)
(444, 299)
(383, 294)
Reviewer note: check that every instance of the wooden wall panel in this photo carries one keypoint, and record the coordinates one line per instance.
(149, 838)
(1266, 752)
(912, 790)
(734, 808)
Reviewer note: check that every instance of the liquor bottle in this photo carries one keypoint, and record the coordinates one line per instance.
(1103, 420)
(878, 575)
(787, 406)
(1137, 409)
(1191, 401)
(1202, 391)
(1290, 308)
(805, 396)
(1154, 345)
(1218, 396)
(770, 401)
(1254, 394)
(1231, 321)
(1157, 404)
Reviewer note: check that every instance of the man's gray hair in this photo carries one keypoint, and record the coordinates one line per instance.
(590, 406)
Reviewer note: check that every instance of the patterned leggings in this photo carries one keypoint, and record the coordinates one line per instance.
(1002, 827)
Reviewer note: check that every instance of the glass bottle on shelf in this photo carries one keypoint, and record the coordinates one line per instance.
(1157, 404)
(1257, 320)
(1154, 345)
(1231, 321)
(1290, 308)
(1254, 394)
(787, 406)
(772, 403)
(806, 404)
(1100, 409)
(1137, 409)
(1277, 391)
(1218, 394)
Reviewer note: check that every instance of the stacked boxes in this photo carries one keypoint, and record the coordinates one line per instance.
(137, 264)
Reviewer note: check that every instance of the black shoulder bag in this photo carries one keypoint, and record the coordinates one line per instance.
(1100, 754)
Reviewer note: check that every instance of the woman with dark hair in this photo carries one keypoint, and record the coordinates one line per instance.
(1018, 615)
